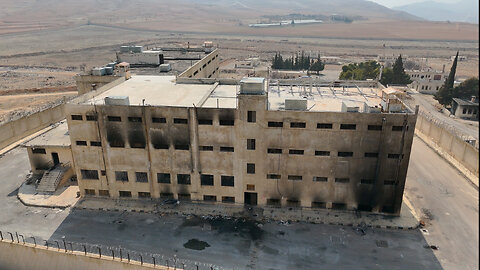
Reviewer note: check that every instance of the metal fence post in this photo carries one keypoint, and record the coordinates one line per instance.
(154, 264)
(11, 235)
(34, 241)
(141, 260)
(58, 245)
(23, 238)
(99, 252)
(16, 235)
(64, 245)
(46, 243)
(1, 235)
(85, 249)
(128, 257)
(71, 246)
(121, 255)
(113, 255)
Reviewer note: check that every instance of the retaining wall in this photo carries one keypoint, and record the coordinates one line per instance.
(19, 256)
(462, 151)
(25, 126)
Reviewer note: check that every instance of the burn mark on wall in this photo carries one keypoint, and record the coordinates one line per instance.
(159, 138)
(136, 134)
(115, 135)
(226, 115)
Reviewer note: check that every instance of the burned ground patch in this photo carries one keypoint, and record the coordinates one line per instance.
(246, 228)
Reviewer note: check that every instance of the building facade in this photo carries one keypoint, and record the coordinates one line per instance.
(427, 81)
(233, 144)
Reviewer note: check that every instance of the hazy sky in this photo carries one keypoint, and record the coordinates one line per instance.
(396, 3)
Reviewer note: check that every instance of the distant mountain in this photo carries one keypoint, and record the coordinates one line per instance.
(462, 11)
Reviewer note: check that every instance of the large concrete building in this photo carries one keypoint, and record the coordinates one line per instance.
(325, 146)
(427, 81)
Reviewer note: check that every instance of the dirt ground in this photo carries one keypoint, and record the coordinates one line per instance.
(50, 58)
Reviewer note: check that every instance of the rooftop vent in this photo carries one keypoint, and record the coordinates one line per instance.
(117, 100)
(297, 104)
(252, 86)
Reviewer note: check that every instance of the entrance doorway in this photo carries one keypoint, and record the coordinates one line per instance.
(55, 158)
(250, 198)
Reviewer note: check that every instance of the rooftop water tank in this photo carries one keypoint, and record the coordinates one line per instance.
(252, 86)
(117, 100)
(296, 104)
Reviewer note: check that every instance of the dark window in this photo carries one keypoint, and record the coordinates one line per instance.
(339, 206)
(227, 122)
(89, 174)
(387, 209)
(322, 153)
(195, 73)
(389, 182)
(141, 177)
(298, 125)
(348, 126)
(295, 152)
(92, 143)
(397, 128)
(90, 192)
(103, 173)
(183, 179)
(163, 178)
(228, 181)
(293, 202)
(91, 118)
(206, 180)
(364, 207)
(273, 176)
(205, 122)
(295, 177)
(320, 179)
(372, 155)
(180, 121)
(206, 148)
(251, 116)
(159, 120)
(135, 119)
(77, 117)
(184, 197)
(250, 187)
(342, 180)
(104, 192)
(144, 195)
(182, 147)
(210, 198)
(227, 199)
(324, 126)
(125, 194)
(204, 65)
(274, 151)
(367, 181)
(226, 149)
(121, 176)
(84, 143)
(114, 118)
(374, 127)
(275, 124)
(250, 168)
(319, 205)
(39, 151)
(117, 144)
(394, 156)
(160, 146)
(251, 144)
(345, 154)
(274, 202)
(166, 195)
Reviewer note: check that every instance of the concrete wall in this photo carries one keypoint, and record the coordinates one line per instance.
(17, 256)
(13, 131)
(84, 82)
(39, 161)
(462, 151)
(153, 147)
(205, 68)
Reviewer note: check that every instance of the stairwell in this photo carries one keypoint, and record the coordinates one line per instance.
(51, 179)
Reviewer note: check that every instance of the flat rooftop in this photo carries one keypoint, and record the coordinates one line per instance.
(164, 91)
(57, 136)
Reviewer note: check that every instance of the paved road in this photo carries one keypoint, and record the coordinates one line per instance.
(449, 205)
(468, 128)
(232, 245)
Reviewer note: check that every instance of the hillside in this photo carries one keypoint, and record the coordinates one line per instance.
(463, 11)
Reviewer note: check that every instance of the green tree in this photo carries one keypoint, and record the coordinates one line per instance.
(466, 89)
(317, 65)
(395, 75)
(361, 71)
(445, 93)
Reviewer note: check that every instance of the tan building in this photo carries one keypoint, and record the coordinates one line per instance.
(427, 81)
(325, 146)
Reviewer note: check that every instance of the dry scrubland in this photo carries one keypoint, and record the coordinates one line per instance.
(50, 58)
